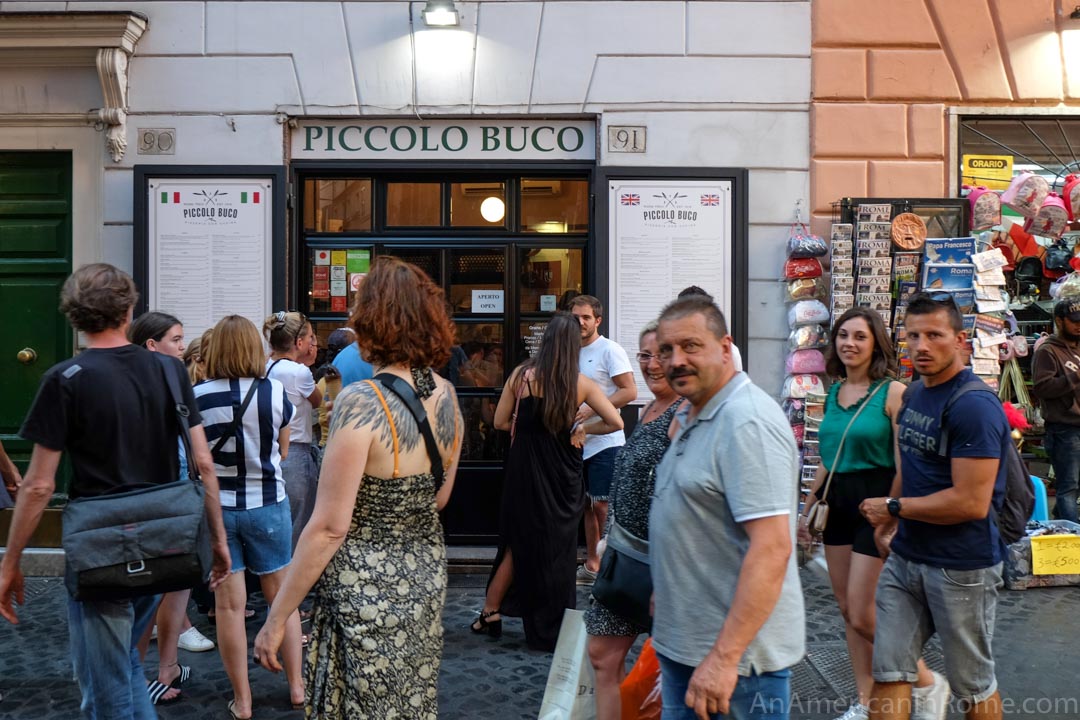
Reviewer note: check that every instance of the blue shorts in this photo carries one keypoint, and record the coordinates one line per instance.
(599, 470)
(260, 539)
(914, 601)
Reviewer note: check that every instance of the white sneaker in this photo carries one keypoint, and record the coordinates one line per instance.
(931, 703)
(194, 641)
(585, 576)
(856, 712)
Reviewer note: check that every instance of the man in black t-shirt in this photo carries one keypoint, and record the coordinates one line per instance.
(111, 410)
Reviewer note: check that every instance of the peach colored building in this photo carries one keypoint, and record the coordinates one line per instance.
(891, 78)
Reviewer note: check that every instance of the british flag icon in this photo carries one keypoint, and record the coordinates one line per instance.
(710, 199)
(630, 199)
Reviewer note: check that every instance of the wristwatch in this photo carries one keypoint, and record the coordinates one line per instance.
(894, 506)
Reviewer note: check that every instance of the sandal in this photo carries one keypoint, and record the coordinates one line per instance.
(483, 626)
(180, 680)
(232, 712)
(157, 690)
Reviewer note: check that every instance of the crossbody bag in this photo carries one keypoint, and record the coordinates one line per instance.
(140, 542)
(818, 516)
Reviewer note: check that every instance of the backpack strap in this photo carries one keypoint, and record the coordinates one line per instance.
(970, 386)
(238, 416)
(407, 395)
(168, 367)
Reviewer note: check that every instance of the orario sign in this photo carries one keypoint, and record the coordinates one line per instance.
(489, 139)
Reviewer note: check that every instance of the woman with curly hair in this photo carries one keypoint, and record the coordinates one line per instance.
(373, 547)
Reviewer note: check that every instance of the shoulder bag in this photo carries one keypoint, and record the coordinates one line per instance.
(818, 516)
(624, 583)
(140, 542)
(407, 395)
(526, 377)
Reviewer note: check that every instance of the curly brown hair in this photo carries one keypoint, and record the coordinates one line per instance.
(98, 297)
(401, 316)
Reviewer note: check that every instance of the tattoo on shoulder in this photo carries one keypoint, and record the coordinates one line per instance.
(446, 411)
(358, 406)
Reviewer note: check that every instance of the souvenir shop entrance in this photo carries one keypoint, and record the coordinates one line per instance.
(508, 245)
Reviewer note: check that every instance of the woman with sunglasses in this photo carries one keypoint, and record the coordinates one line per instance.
(610, 634)
(293, 348)
(857, 444)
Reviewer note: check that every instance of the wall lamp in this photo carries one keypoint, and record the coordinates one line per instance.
(441, 13)
(1075, 14)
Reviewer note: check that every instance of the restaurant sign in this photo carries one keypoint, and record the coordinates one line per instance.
(494, 139)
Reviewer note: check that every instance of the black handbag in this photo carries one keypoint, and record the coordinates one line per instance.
(624, 584)
(140, 542)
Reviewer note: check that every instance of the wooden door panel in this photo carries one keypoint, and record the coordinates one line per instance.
(31, 321)
(25, 236)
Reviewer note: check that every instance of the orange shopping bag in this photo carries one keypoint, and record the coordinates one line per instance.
(640, 691)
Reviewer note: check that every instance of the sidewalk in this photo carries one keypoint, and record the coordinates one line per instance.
(482, 679)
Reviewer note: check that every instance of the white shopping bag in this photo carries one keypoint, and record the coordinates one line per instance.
(569, 691)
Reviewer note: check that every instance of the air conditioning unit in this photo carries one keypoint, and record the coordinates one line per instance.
(529, 188)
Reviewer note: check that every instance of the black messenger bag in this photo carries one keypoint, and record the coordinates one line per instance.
(140, 542)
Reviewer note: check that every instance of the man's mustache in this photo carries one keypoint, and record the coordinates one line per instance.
(680, 372)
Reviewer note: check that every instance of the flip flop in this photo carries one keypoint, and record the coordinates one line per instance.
(157, 690)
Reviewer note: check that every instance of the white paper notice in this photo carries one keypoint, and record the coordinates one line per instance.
(209, 250)
(665, 236)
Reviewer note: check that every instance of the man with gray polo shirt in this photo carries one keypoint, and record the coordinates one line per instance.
(729, 620)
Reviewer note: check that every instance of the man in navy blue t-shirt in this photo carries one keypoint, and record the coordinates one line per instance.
(944, 570)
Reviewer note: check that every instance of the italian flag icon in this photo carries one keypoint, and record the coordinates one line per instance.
(254, 196)
(167, 198)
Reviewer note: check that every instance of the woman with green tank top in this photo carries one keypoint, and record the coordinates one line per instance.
(857, 444)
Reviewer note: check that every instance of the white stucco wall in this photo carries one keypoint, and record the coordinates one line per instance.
(716, 83)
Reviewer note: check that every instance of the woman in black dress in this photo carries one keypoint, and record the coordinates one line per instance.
(544, 494)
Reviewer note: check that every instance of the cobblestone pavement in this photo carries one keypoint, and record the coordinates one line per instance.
(484, 679)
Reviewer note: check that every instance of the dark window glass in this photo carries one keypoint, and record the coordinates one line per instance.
(548, 277)
(337, 205)
(413, 204)
(478, 281)
(477, 359)
(430, 261)
(478, 204)
(480, 440)
(554, 205)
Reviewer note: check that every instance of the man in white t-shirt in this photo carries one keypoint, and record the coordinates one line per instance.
(606, 363)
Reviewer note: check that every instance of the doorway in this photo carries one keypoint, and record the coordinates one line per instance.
(35, 259)
(504, 274)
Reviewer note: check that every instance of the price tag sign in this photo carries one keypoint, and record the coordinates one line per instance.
(1055, 555)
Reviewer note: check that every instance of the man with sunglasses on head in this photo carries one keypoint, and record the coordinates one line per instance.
(944, 570)
(1055, 372)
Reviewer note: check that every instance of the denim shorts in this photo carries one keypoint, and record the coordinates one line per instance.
(599, 469)
(764, 696)
(260, 539)
(914, 601)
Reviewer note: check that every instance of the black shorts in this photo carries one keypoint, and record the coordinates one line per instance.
(846, 525)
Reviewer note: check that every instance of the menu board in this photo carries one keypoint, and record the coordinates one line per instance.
(665, 235)
(209, 249)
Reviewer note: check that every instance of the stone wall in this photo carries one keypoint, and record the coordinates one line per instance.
(886, 73)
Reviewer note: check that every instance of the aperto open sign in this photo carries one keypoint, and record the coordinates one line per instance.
(487, 301)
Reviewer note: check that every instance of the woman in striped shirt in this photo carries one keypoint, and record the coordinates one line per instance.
(246, 416)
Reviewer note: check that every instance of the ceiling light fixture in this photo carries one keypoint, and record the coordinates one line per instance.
(493, 209)
(441, 13)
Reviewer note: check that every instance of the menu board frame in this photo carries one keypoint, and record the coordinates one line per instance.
(724, 242)
(156, 230)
